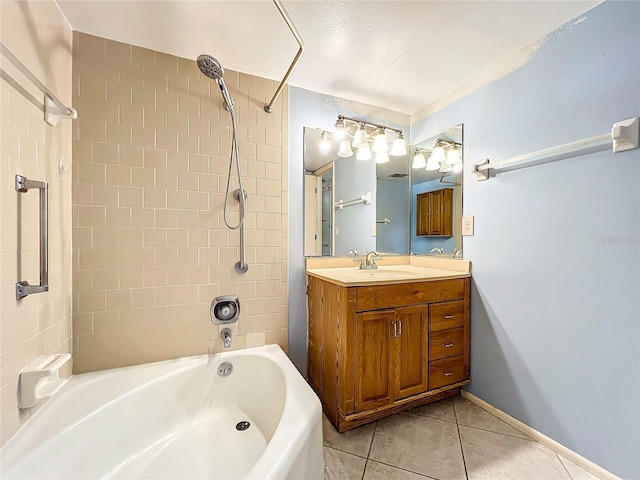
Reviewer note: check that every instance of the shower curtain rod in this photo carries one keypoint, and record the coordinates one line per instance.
(269, 107)
(624, 136)
(54, 109)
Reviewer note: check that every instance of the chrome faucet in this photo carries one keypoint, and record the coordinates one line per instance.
(225, 334)
(369, 262)
(457, 253)
(352, 251)
(437, 250)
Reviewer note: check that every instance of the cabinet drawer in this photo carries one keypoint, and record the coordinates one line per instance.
(446, 371)
(443, 316)
(378, 297)
(446, 343)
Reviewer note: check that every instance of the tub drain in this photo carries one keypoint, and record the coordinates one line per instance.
(242, 426)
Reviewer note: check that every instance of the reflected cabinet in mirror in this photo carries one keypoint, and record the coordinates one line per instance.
(436, 194)
(353, 206)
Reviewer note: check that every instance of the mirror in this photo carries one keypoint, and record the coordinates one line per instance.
(353, 205)
(436, 196)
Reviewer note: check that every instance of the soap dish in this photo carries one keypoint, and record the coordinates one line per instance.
(40, 379)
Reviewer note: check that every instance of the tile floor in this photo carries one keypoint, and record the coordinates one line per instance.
(452, 439)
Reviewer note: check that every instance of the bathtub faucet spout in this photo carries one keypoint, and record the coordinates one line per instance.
(225, 334)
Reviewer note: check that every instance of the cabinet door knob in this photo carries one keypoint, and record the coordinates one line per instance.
(447, 374)
(400, 325)
(448, 316)
(447, 345)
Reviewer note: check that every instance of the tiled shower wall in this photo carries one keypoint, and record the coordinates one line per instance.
(150, 248)
(37, 34)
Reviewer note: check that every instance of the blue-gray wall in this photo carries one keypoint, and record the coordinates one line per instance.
(555, 310)
(311, 109)
(393, 203)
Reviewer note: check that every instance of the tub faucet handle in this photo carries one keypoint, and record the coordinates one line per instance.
(225, 334)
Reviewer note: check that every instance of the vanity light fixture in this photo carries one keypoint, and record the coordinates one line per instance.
(364, 133)
(345, 149)
(340, 132)
(418, 160)
(360, 138)
(380, 142)
(399, 146)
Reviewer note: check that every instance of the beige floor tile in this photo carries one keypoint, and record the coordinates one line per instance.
(342, 466)
(420, 444)
(380, 471)
(442, 410)
(576, 472)
(356, 441)
(472, 415)
(492, 456)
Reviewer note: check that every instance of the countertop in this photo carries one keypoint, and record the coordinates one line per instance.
(391, 270)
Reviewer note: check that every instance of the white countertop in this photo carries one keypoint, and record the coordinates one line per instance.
(396, 269)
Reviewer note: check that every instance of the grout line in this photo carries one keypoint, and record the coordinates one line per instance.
(343, 451)
(364, 470)
(405, 470)
(464, 462)
(375, 427)
(498, 433)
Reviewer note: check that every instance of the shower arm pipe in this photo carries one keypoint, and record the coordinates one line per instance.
(269, 107)
(367, 124)
(54, 109)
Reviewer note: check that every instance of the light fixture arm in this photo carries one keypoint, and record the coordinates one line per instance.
(375, 126)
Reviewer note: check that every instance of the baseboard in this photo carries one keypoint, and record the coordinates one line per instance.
(579, 460)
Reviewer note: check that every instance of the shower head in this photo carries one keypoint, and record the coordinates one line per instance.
(212, 68)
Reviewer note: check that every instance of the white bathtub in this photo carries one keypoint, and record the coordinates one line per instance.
(176, 419)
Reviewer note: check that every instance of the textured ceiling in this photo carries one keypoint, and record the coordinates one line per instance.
(401, 55)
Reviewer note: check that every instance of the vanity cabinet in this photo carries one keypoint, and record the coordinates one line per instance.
(434, 213)
(376, 350)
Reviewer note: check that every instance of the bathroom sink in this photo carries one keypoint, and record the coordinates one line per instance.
(386, 273)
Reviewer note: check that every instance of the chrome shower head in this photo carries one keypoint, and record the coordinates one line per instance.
(210, 66)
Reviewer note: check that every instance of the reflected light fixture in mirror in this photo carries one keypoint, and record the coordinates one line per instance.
(432, 164)
(364, 153)
(382, 157)
(325, 142)
(418, 160)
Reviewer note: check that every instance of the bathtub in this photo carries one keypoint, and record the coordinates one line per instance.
(176, 419)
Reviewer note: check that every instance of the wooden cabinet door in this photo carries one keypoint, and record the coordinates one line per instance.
(435, 224)
(434, 212)
(410, 351)
(373, 357)
(422, 212)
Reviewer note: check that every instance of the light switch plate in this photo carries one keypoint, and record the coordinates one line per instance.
(336, 232)
(374, 229)
(467, 225)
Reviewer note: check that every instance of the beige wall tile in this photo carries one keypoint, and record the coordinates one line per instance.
(150, 239)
